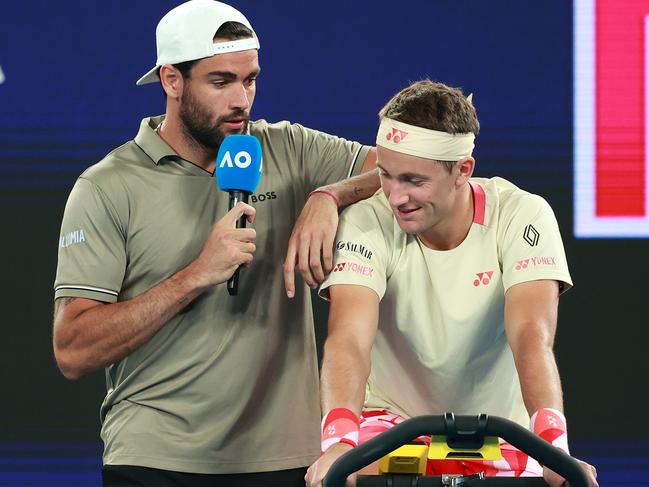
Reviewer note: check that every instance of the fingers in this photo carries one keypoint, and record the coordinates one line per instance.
(244, 234)
(289, 269)
(328, 253)
(239, 210)
(305, 251)
(247, 248)
(315, 262)
(591, 473)
(303, 262)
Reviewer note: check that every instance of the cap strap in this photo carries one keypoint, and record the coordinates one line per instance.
(235, 46)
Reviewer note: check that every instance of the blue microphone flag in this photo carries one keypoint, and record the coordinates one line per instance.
(238, 163)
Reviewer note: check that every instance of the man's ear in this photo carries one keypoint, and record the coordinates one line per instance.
(465, 169)
(172, 81)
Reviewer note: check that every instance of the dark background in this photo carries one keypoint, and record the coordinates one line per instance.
(70, 97)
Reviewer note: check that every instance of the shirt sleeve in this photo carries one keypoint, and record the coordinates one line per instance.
(328, 158)
(531, 246)
(92, 246)
(360, 257)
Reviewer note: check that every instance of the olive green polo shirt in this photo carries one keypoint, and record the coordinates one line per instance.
(230, 384)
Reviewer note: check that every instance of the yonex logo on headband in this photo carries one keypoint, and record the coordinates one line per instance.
(421, 142)
(396, 135)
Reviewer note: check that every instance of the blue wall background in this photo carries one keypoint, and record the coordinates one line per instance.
(69, 96)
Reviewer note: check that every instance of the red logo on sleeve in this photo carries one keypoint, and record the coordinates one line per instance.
(535, 261)
(363, 270)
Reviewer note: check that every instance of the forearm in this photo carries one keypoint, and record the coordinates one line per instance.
(345, 370)
(539, 376)
(357, 188)
(104, 334)
(531, 322)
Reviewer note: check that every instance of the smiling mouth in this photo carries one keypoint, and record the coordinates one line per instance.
(405, 212)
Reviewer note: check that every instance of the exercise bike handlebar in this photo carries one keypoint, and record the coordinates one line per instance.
(459, 426)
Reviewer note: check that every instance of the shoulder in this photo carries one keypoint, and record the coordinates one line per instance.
(112, 173)
(263, 129)
(509, 201)
(371, 213)
(285, 130)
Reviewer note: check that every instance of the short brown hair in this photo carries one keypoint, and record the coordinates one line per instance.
(433, 106)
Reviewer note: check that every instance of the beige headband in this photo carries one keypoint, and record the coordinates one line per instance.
(420, 142)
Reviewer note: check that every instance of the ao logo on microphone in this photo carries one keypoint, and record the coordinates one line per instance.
(241, 159)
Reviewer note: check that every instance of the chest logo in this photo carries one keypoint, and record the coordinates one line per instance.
(484, 278)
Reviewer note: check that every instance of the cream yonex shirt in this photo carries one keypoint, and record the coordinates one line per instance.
(441, 343)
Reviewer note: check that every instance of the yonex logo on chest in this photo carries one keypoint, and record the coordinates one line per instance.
(484, 278)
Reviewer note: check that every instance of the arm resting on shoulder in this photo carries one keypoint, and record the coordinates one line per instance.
(310, 247)
(357, 188)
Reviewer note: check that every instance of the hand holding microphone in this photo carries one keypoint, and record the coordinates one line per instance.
(238, 171)
(227, 247)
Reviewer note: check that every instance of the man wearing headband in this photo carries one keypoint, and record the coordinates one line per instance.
(203, 388)
(444, 293)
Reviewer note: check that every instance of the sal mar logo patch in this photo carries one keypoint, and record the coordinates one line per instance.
(355, 247)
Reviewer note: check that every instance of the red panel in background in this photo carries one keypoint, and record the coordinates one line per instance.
(620, 107)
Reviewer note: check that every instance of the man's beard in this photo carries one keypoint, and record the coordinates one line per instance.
(198, 126)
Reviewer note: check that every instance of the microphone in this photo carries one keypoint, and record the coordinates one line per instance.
(238, 171)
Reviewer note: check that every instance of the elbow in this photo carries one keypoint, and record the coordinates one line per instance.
(67, 359)
(69, 367)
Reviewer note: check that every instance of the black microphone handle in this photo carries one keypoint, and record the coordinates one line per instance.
(236, 196)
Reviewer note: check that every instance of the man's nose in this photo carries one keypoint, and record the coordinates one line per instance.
(240, 98)
(397, 196)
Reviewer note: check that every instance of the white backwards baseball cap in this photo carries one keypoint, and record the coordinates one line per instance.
(186, 33)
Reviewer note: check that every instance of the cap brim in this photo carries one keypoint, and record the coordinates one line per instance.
(150, 77)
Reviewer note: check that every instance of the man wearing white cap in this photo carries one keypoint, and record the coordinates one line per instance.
(204, 388)
(444, 293)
